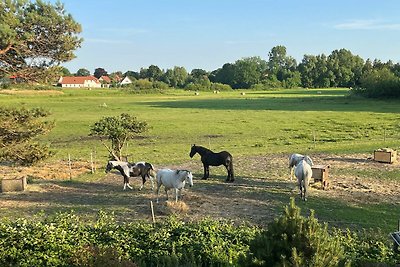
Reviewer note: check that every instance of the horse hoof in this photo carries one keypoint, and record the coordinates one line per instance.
(204, 178)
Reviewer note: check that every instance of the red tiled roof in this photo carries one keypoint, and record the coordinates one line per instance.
(106, 79)
(77, 80)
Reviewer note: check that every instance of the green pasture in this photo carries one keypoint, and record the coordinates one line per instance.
(256, 123)
(259, 122)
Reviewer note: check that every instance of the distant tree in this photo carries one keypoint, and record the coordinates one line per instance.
(65, 72)
(134, 75)
(117, 130)
(100, 72)
(154, 73)
(175, 77)
(346, 68)
(248, 71)
(279, 63)
(198, 73)
(35, 36)
(224, 75)
(18, 130)
(82, 72)
(314, 71)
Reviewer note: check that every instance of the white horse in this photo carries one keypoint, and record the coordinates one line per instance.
(175, 179)
(127, 170)
(303, 173)
(294, 159)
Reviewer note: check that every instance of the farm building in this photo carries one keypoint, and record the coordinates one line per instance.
(125, 81)
(105, 81)
(79, 82)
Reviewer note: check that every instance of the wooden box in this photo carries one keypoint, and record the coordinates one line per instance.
(12, 185)
(385, 155)
(320, 174)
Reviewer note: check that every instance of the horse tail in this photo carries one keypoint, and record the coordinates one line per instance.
(231, 166)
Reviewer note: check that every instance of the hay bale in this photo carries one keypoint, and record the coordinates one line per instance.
(179, 207)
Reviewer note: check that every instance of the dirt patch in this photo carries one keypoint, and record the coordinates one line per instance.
(31, 92)
(262, 184)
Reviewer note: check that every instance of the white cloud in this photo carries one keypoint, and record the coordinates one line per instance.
(367, 25)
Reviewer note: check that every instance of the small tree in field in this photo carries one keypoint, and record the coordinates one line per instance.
(117, 130)
(18, 128)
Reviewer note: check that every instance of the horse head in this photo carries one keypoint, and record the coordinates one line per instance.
(110, 166)
(189, 178)
(193, 151)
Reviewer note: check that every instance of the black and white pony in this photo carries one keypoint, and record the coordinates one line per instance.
(209, 158)
(303, 174)
(173, 179)
(294, 159)
(127, 170)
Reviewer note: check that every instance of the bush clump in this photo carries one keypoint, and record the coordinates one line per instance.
(293, 240)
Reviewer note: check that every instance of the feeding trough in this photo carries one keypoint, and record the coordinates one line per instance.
(13, 185)
(320, 174)
(385, 155)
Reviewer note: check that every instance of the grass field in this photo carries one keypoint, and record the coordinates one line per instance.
(257, 124)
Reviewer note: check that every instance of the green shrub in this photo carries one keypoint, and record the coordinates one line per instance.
(64, 240)
(368, 247)
(220, 87)
(381, 83)
(293, 240)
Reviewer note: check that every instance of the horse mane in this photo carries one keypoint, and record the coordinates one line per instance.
(202, 149)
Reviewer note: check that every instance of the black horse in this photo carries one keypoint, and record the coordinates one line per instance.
(209, 158)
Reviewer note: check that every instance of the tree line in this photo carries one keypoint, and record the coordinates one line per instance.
(341, 68)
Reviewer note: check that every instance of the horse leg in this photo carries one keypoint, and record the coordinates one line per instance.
(151, 180)
(125, 182)
(158, 189)
(228, 178)
(205, 176)
(166, 192)
(143, 181)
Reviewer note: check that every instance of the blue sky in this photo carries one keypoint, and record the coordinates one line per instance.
(126, 35)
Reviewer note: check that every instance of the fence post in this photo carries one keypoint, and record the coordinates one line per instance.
(91, 162)
(70, 166)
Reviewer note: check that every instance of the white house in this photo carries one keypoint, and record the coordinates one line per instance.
(79, 82)
(125, 81)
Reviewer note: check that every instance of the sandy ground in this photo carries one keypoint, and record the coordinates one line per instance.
(262, 183)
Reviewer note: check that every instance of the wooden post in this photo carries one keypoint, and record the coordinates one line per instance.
(314, 138)
(152, 211)
(94, 160)
(70, 166)
(91, 161)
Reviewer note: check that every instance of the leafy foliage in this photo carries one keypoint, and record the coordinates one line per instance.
(117, 130)
(18, 128)
(65, 240)
(293, 240)
(367, 247)
(380, 83)
(35, 36)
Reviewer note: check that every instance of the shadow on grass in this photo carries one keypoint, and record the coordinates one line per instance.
(285, 103)
(247, 199)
